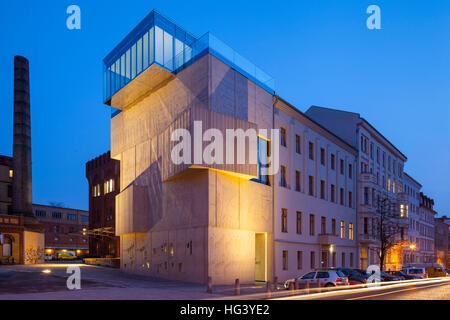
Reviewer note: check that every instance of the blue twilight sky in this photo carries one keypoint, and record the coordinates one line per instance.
(320, 52)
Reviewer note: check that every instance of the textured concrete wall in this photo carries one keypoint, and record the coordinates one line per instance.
(182, 222)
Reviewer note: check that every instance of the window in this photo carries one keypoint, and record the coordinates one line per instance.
(366, 195)
(311, 224)
(351, 259)
(299, 259)
(11, 173)
(322, 156)
(343, 260)
(323, 225)
(366, 225)
(283, 136)
(9, 191)
(284, 220)
(285, 260)
(342, 166)
(378, 155)
(333, 162)
(298, 144)
(84, 218)
(263, 160)
(350, 201)
(299, 222)
(333, 226)
(333, 191)
(322, 275)
(350, 170)
(56, 229)
(96, 190)
(311, 185)
(56, 215)
(313, 260)
(322, 189)
(350, 231)
(342, 196)
(297, 181)
(109, 186)
(41, 213)
(71, 217)
(333, 259)
(311, 151)
(283, 182)
(309, 276)
(342, 229)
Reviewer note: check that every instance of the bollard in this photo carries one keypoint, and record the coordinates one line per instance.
(297, 286)
(318, 286)
(307, 287)
(269, 290)
(209, 287)
(237, 288)
(275, 283)
(291, 288)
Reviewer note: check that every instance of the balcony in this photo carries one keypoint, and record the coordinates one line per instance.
(155, 51)
(327, 239)
(368, 178)
(403, 197)
(367, 238)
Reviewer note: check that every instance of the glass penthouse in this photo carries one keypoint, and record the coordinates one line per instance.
(156, 40)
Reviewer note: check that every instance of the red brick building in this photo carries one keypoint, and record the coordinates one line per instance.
(103, 176)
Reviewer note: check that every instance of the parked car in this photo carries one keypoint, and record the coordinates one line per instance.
(416, 271)
(386, 277)
(328, 278)
(403, 275)
(353, 276)
(66, 256)
(430, 270)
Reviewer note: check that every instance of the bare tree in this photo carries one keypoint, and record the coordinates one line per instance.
(387, 226)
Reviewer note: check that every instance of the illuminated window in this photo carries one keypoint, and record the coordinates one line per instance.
(350, 231)
(96, 190)
(402, 210)
(342, 229)
(109, 186)
(10, 173)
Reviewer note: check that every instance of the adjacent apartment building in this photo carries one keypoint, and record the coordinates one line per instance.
(200, 219)
(103, 175)
(379, 177)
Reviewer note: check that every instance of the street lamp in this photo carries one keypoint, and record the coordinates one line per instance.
(412, 246)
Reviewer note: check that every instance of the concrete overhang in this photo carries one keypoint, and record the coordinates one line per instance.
(148, 81)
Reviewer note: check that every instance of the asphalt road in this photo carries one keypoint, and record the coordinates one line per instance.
(425, 291)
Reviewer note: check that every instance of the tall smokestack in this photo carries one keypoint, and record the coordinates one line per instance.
(22, 193)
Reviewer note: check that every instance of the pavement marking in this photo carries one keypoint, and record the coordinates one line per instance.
(391, 292)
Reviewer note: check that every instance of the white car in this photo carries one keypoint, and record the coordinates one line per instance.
(328, 278)
(416, 271)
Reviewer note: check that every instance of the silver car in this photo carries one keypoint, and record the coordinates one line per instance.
(328, 278)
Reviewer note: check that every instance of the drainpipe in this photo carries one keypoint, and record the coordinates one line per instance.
(275, 101)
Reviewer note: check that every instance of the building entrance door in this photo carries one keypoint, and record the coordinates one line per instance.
(261, 257)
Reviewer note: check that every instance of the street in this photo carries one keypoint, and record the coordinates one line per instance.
(48, 282)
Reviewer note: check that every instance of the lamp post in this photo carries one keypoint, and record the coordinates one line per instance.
(412, 246)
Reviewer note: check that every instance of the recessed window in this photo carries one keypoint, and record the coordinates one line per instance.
(342, 229)
(322, 156)
(299, 222)
(333, 192)
(311, 225)
(283, 136)
(109, 186)
(350, 231)
(11, 173)
(56, 215)
(284, 220)
(333, 162)
(96, 190)
(322, 189)
(298, 144)
(297, 181)
(311, 151)
(285, 260)
(299, 259)
(311, 185)
(283, 181)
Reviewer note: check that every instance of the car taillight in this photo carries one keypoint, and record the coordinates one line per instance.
(339, 280)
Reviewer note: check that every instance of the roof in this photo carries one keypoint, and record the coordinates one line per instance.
(369, 124)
